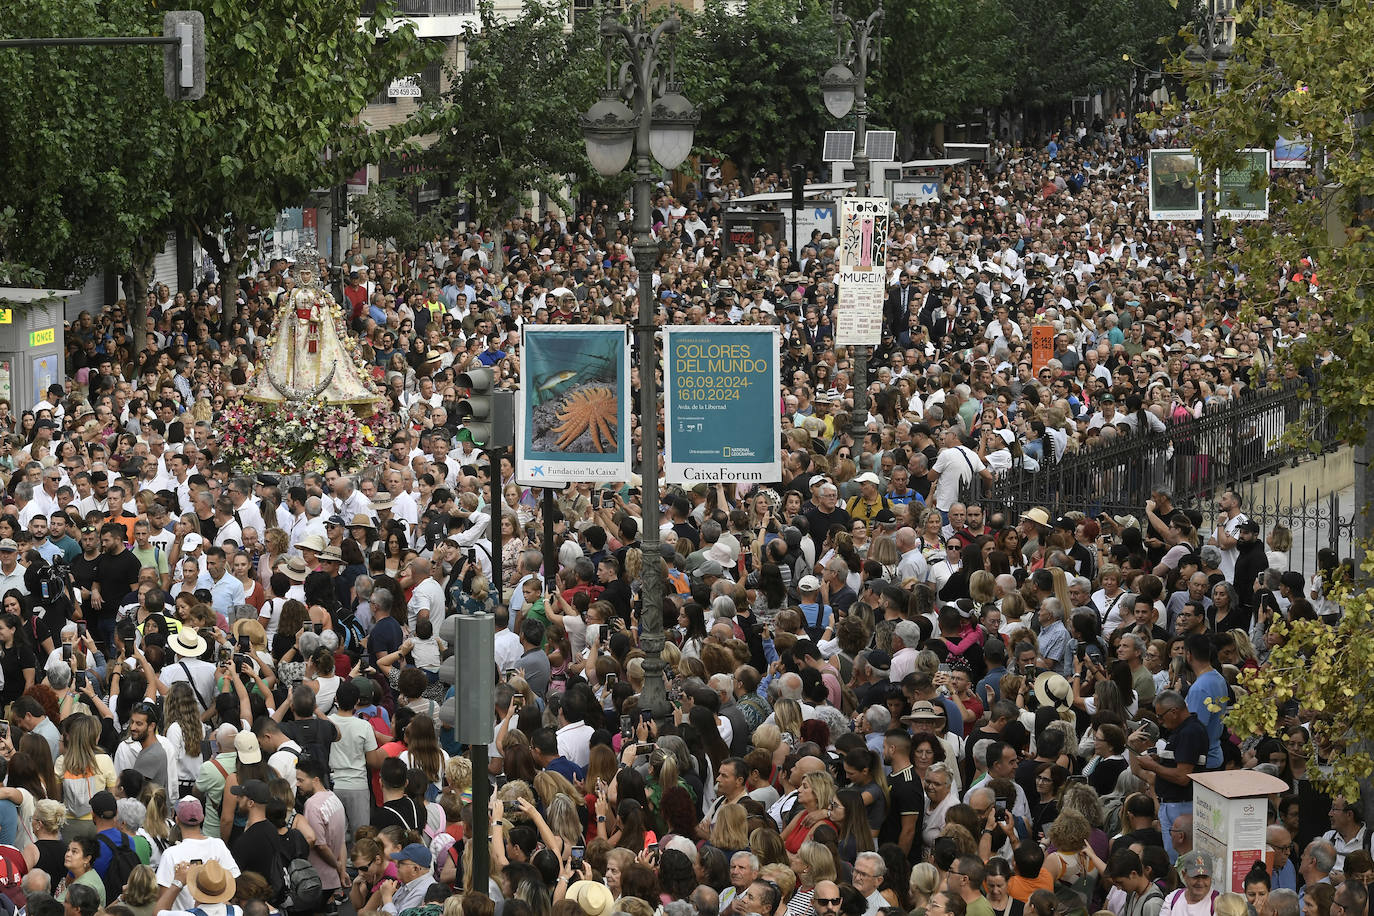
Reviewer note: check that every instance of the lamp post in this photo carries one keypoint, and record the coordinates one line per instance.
(1213, 46)
(660, 124)
(844, 87)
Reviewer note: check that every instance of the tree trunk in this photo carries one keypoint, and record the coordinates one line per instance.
(135, 282)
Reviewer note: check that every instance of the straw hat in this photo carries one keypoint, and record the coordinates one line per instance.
(210, 883)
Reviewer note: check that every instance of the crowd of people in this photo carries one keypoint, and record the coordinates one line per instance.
(222, 692)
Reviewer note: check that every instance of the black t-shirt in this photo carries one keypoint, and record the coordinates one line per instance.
(1187, 744)
(84, 573)
(256, 850)
(906, 796)
(116, 574)
(12, 663)
(402, 812)
(821, 522)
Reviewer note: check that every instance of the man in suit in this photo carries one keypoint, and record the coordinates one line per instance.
(900, 299)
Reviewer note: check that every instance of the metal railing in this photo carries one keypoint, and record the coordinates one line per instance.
(425, 7)
(1194, 458)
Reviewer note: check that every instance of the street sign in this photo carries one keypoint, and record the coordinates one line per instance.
(859, 309)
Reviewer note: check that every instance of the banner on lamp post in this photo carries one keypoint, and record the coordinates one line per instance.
(1243, 192)
(1175, 185)
(864, 225)
(573, 421)
(859, 308)
(721, 397)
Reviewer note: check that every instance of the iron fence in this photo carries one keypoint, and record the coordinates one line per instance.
(425, 7)
(1193, 458)
(1228, 447)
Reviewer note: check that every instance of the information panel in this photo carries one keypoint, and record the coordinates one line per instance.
(722, 394)
(859, 308)
(1243, 192)
(573, 420)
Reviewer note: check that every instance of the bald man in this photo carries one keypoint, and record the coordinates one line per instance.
(427, 599)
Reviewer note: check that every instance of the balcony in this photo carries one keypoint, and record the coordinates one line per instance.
(426, 7)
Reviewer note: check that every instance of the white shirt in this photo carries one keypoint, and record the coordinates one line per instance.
(204, 849)
(283, 761)
(954, 471)
(428, 595)
(202, 676)
(575, 743)
(507, 650)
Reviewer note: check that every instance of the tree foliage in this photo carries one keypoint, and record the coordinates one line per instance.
(84, 141)
(286, 83)
(1329, 672)
(753, 71)
(385, 213)
(516, 106)
(1302, 71)
(943, 58)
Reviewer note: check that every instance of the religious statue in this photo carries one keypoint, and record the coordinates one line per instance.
(309, 355)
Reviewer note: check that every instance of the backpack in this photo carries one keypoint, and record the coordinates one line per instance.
(123, 860)
(300, 890)
(314, 736)
(350, 632)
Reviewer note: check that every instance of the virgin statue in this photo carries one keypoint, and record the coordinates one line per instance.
(309, 355)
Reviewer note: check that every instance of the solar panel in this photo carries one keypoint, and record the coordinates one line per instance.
(881, 145)
(839, 146)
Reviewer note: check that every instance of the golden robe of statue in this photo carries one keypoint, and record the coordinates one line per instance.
(307, 357)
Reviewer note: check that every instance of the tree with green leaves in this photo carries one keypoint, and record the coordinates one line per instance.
(84, 142)
(753, 70)
(940, 60)
(286, 85)
(1299, 70)
(516, 105)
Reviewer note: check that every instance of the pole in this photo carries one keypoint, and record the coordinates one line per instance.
(858, 420)
(481, 822)
(550, 555)
(336, 218)
(646, 254)
(497, 511)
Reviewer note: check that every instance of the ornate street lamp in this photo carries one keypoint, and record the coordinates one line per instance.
(659, 123)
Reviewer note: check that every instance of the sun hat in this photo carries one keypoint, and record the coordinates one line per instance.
(312, 542)
(294, 568)
(187, 642)
(1053, 689)
(210, 883)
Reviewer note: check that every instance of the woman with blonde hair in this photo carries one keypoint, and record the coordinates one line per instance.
(48, 847)
(1073, 863)
(788, 716)
(924, 882)
(813, 863)
(1231, 905)
(730, 832)
(982, 587)
(141, 891)
(814, 795)
(1061, 591)
(85, 771)
(458, 777)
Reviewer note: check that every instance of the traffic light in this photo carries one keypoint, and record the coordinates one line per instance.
(487, 414)
(183, 63)
(471, 712)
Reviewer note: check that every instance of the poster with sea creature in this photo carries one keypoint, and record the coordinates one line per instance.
(574, 409)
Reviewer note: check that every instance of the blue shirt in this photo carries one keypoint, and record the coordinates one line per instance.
(993, 680)
(1210, 686)
(813, 615)
(224, 594)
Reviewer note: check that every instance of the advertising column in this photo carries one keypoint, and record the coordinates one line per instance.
(721, 396)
